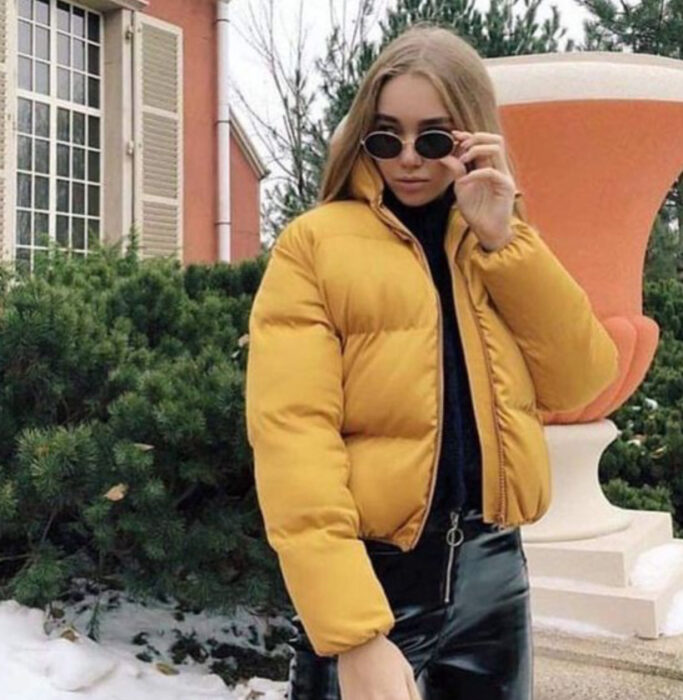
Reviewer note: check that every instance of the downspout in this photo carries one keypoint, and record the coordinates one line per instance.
(223, 226)
(133, 147)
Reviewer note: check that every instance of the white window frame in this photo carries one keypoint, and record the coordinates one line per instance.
(113, 12)
(55, 103)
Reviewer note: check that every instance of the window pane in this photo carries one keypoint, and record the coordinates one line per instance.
(25, 8)
(78, 21)
(24, 152)
(23, 190)
(25, 67)
(94, 132)
(42, 162)
(93, 59)
(93, 232)
(43, 78)
(63, 230)
(62, 195)
(24, 227)
(79, 163)
(63, 161)
(93, 166)
(63, 84)
(79, 88)
(78, 54)
(25, 43)
(42, 119)
(93, 27)
(78, 232)
(94, 92)
(43, 43)
(42, 232)
(42, 196)
(63, 128)
(78, 198)
(40, 259)
(42, 11)
(23, 261)
(63, 16)
(25, 116)
(79, 128)
(93, 200)
(63, 49)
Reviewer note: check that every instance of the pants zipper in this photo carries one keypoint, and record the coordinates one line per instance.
(454, 537)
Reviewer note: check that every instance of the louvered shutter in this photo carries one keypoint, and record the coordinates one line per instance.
(161, 136)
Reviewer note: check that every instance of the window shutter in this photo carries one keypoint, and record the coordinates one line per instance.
(161, 135)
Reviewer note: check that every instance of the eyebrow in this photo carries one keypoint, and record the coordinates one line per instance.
(422, 122)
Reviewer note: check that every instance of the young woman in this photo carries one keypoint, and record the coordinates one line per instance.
(407, 334)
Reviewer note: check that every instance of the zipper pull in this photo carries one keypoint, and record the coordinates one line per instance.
(453, 541)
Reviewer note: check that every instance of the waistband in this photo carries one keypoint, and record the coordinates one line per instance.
(470, 521)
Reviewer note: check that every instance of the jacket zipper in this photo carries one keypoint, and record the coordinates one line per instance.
(454, 537)
(406, 233)
(501, 524)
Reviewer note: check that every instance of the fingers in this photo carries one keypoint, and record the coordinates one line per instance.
(454, 164)
(492, 175)
(413, 692)
(479, 144)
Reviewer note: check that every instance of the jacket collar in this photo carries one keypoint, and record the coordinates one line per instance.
(366, 184)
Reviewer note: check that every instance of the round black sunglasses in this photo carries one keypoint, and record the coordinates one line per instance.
(384, 145)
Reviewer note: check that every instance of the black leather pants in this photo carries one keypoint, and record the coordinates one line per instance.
(462, 610)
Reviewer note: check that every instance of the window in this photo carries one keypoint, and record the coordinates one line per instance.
(59, 127)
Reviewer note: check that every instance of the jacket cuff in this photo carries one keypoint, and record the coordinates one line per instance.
(336, 594)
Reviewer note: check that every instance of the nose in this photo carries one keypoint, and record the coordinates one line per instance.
(409, 156)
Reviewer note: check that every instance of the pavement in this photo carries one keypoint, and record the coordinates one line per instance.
(568, 666)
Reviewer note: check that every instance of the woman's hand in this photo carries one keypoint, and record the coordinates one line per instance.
(376, 670)
(486, 195)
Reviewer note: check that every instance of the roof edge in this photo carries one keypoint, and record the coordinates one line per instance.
(248, 147)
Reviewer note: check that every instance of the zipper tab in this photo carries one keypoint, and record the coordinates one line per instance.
(454, 537)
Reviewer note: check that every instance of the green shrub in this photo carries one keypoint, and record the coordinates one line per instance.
(123, 455)
(644, 465)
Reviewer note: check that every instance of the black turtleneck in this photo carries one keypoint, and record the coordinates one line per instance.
(459, 470)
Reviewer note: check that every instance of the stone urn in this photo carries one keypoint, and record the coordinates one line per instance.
(597, 141)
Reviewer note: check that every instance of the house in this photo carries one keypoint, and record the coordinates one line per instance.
(115, 116)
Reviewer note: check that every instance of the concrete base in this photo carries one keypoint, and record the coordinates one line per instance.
(587, 581)
(578, 506)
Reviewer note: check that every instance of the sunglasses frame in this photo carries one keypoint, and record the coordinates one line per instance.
(405, 141)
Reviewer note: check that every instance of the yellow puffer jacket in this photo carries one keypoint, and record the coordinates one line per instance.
(344, 391)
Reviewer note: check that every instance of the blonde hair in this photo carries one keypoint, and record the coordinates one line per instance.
(457, 72)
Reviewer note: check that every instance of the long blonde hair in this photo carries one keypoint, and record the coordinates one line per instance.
(457, 72)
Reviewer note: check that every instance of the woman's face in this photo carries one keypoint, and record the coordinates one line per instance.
(408, 105)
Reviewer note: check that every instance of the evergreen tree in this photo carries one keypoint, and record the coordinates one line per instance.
(124, 457)
(500, 31)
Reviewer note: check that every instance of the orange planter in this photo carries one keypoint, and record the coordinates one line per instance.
(597, 141)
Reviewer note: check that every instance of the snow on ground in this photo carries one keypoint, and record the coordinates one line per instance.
(48, 657)
(44, 658)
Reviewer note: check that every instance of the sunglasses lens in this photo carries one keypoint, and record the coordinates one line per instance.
(381, 145)
(435, 144)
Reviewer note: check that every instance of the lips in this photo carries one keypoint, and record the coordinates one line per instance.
(410, 185)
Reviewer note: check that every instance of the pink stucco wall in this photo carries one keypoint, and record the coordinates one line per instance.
(197, 19)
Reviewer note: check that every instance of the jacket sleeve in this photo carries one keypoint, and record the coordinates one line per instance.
(294, 410)
(570, 355)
